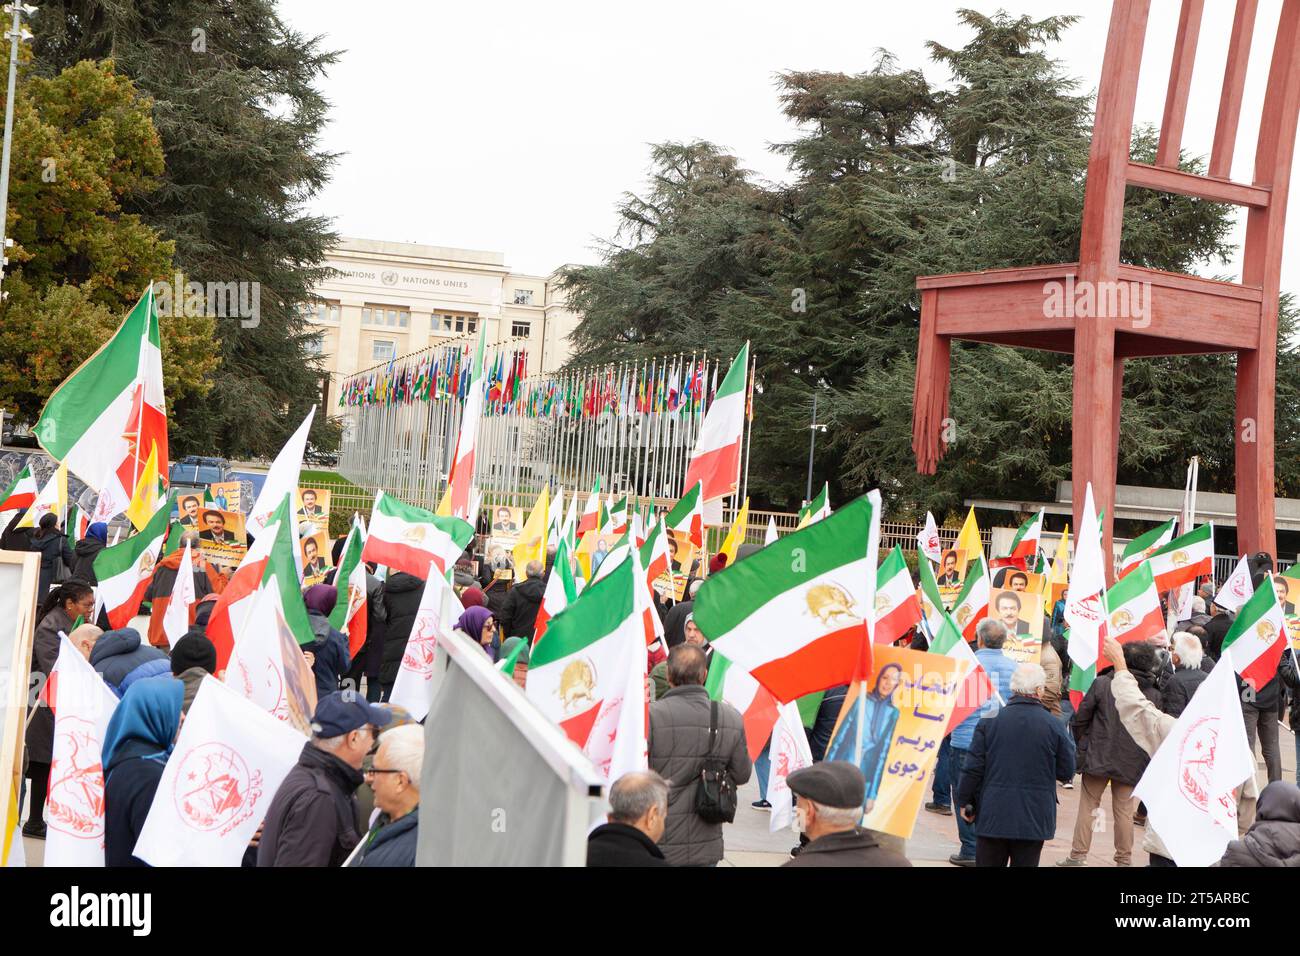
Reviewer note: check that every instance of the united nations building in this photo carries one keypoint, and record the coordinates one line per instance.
(388, 299)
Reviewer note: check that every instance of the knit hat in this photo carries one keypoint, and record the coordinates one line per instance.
(99, 531)
(194, 650)
(473, 597)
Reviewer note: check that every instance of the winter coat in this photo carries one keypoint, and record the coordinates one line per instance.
(999, 668)
(1180, 687)
(1149, 727)
(129, 789)
(519, 612)
(1217, 630)
(1286, 669)
(678, 744)
(391, 844)
(1274, 839)
(372, 652)
(856, 847)
(312, 819)
(1010, 773)
(45, 651)
(53, 549)
(617, 844)
(191, 677)
(1055, 686)
(402, 599)
(83, 567)
(331, 650)
(828, 712)
(122, 658)
(207, 580)
(1105, 748)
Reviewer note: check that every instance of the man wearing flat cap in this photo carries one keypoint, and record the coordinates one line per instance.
(830, 805)
(312, 820)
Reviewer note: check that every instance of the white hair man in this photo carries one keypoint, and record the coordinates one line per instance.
(395, 779)
(1187, 675)
(1007, 789)
(638, 813)
(831, 795)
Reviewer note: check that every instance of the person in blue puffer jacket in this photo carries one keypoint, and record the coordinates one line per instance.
(122, 658)
(990, 635)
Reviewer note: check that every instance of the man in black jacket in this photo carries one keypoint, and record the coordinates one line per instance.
(519, 613)
(638, 811)
(312, 820)
(402, 593)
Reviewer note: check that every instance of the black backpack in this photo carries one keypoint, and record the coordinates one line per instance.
(715, 797)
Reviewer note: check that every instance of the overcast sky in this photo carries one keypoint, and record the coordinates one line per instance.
(515, 127)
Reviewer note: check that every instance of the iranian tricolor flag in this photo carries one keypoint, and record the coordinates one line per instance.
(1143, 546)
(229, 760)
(406, 538)
(1133, 606)
(111, 409)
(817, 509)
(1184, 559)
(78, 522)
(897, 608)
(569, 530)
(462, 463)
(590, 520)
(618, 516)
(588, 675)
(124, 570)
(1025, 543)
(798, 615)
(176, 619)
(972, 604)
(555, 515)
(560, 590)
(434, 619)
(51, 499)
(20, 495)
(268, 666)
(652, 552)
(737, 687)
(74, 806)
(350, 615)
(655, 553)
(1237, 590)
(687, 516)
(281, 478)
(715, 462)
(931, 601)
(976, 687)
(1256, 639)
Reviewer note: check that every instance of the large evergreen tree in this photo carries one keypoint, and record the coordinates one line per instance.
(235, 102)
(895, 178)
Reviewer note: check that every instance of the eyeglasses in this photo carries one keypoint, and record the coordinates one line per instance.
(374, 770)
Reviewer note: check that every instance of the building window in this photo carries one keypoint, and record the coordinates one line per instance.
(451, 323)
(391, 317)
(523, 296)
(320, 311)
(520, 330)
(381, 350)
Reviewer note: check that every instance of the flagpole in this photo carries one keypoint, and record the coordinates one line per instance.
(749, 421)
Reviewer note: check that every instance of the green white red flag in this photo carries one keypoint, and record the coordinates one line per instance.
(737, 687)
(817, 509)
(560, 590)
(1025, 543)
(976, 687)
(406, 538)
(1257, 638)
(111, 410)
(1143, 546)
(1184, 559)
(799, 614)
(687, 515)
(21, 494)
(590, 520)
(268, 666)
(124, 570)
(588, 674)
(715, 461)
(351, 611)
(897, 607)
(972, 604)
(1133, 607)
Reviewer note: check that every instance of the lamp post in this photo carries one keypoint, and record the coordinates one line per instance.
(17, 34)
(813, 429)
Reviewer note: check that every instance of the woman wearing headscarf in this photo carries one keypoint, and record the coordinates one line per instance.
(139, 739)
(478, 624)
(61, 608)
(52, 545)
(330, 648)
(87, 549)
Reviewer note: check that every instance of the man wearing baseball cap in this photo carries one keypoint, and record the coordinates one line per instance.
(831, 795)
(312, 820)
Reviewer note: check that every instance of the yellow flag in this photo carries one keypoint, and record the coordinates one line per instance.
(532, 538)
(13, 821)
(52, 499)
(969, 539)
(1058, 578)
(444, 506)
(145, 501)
(736, 536)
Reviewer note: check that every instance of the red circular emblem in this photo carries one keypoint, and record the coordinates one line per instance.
(214, 789)
(76, 798)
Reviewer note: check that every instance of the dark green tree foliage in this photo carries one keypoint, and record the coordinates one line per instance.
(235, 102)
(893, 178)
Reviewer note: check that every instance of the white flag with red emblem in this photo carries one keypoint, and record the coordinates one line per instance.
(789, 752)
(229, 760)
(437, 614)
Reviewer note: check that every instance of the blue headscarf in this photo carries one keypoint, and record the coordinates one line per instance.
(99, 531)
(146, 721)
